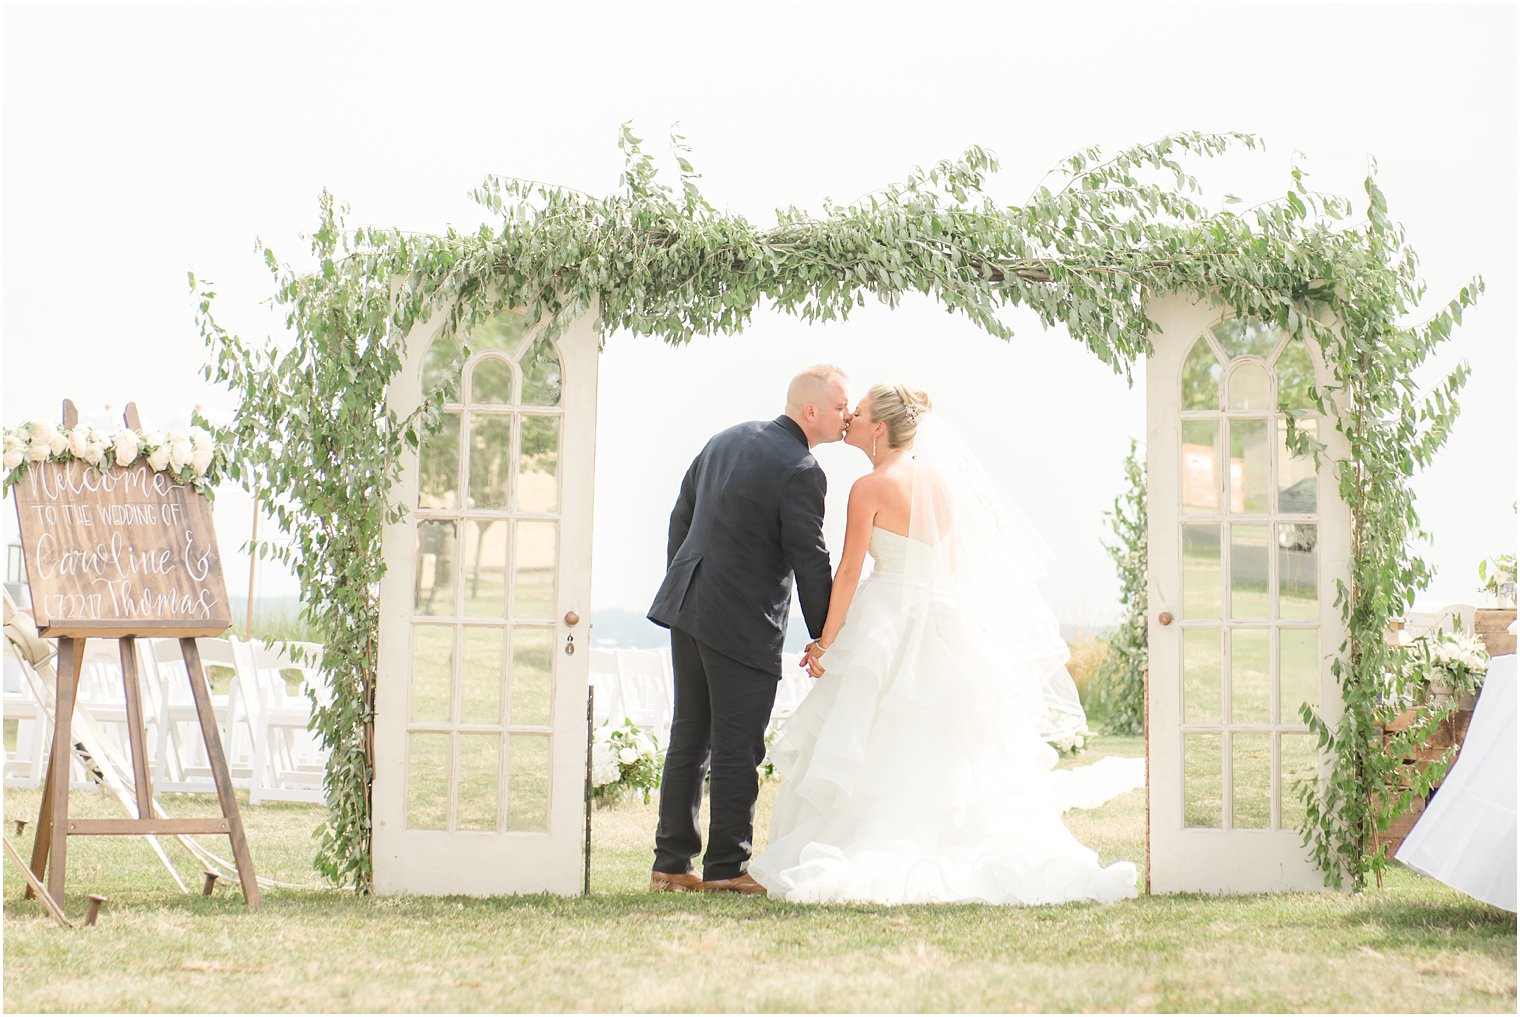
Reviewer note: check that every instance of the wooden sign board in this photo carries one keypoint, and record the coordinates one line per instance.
(124, 551)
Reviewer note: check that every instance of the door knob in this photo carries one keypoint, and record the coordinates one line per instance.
(1166, 618)
(571, 618)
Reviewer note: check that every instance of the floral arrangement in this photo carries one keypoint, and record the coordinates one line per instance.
(1455, 663)
(624, 759)
(1497, 574)
(1073, 743)
(1433, 669)
(190, 456)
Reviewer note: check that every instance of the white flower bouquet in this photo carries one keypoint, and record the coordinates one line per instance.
(1073, 743)
(1455, 663)
(624, 759)
(191, 456)
(1497, 574)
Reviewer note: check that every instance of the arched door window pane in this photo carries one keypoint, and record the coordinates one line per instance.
(1200, 378)
(1250, 388)
(491, 382)
(1295, 377)
(439, 368)
(502, 332)
(541, 374)
(1240, 337)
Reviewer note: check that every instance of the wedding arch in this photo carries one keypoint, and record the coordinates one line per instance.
(1096, 247)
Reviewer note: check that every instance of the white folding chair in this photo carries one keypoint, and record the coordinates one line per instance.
(647, 691)
(26, 757)
(180, 761)
(793, 689)
(1424, 619)
(289, 761)
(103, 693)
(603, 678)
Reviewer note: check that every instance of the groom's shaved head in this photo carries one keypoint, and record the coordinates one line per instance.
(816, 399)
(812, 386)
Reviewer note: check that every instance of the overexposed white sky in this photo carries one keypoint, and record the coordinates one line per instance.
(141, 141)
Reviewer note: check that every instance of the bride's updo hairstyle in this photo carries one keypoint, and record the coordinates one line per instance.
(900, 408)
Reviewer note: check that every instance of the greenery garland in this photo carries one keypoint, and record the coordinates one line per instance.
(1091, 243)
(1119, 688)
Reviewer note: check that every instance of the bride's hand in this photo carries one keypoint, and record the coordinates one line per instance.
(810, 658)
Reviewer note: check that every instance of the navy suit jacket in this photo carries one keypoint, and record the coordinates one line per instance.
(749, 518)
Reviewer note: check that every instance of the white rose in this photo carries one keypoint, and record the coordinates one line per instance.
(602, 735)
(76, 441)
(152, 439)
(13, 457)
(200, 461)
(604, 768)
(127, 446)
(180, 451)
(47, 434)
(158, 459)
(38, 451)
(628, 756)
(94, 452)
(201, 439)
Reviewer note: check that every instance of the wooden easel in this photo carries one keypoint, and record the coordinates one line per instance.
(54, 827)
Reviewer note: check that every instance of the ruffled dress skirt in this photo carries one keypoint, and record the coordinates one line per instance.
(914, 772)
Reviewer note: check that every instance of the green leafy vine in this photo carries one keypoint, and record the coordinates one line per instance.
(1119, 688)
(1098, 236)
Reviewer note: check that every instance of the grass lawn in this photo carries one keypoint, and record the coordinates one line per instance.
(1412, 946)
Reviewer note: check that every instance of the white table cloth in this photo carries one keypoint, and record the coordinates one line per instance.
(1466, 838)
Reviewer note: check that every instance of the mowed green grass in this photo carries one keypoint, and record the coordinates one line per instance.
(1413, 945)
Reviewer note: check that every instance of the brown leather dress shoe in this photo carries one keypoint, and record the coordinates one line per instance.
(743, 883)
(670, 882)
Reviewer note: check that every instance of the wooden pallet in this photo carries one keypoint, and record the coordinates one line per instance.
(1492, 626)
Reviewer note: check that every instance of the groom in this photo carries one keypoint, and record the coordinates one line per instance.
(749, 517)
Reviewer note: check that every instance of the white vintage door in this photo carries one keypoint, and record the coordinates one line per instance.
(1247, 543)
(480, 729)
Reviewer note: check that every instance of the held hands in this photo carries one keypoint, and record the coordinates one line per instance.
(811, 656)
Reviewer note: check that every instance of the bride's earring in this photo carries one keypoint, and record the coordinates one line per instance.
(873, 448)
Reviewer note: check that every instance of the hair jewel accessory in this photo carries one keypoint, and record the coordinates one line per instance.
(907, 401)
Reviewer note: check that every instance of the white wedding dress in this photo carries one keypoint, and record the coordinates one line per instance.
(918, 769)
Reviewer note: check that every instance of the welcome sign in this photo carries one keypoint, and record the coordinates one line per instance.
(123, 551)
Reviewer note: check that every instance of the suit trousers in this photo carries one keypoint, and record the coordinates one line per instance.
(722, 707)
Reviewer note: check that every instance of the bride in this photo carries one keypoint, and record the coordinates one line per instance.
(919, 767)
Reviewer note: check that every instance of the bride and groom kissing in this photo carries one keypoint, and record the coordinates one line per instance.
(919, 767)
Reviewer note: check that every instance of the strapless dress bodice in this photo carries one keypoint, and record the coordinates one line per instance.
(888, 550)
